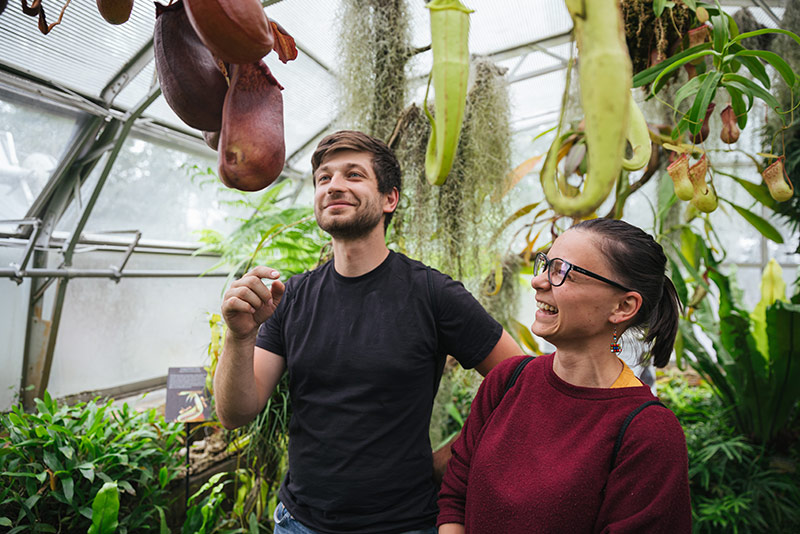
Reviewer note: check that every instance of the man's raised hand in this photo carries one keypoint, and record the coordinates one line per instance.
(248, 302)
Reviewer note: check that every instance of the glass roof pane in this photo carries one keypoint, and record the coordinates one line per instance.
(33, 138)
(83, 53)
(153, 188)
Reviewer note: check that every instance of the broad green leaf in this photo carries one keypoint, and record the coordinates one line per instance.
(660, 79)
(163, 527)
(650, 74)
(753, 89)
(691, 4)
(677, 281)
(783, 332)
(776, 61)
(698, 278)
(68, 486)
(105, 510)
(741, 90)
(690, 88)
(760, 192)
(705, 95)
(163, 477)
(454, 413)
(658, 7)
(67, 451)
(759, 223)
(772, 288)
(739, 108)
(719, 31)
(755, 33)
(5, 522)
(689, 249)
(755, 67)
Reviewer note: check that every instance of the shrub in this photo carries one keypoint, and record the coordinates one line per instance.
(736, 486)
(53, 463)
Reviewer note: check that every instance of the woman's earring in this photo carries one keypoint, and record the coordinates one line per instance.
(616, 348)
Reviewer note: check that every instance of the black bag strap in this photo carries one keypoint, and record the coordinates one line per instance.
(513, 378)
(625, 424)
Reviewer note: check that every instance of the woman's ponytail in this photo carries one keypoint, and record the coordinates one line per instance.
(663, 324)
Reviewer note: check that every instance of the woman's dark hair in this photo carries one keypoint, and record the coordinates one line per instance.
(639, 263)
(384, 162)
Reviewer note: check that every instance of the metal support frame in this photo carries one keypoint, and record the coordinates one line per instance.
(127, 73)
(115, 273)
(763, 4)
(41, 334)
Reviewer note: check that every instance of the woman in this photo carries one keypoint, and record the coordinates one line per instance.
(538, 457)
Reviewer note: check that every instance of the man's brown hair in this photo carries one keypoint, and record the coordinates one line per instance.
(384, 162)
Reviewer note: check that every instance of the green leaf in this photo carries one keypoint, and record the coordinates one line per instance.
(759, 223)
(650, 74)
(67, 451)
(163, 477)
(678, 282)
(756, 33)
(748, 86)
(105, 510)
(776, 61)
(705, 95)
(739, 108)
(455, 414)
(68, 487)
(783, 332)
(755, 67)
(760, 192)
(719, 31)
(658, 7)
(660, 80)
(688, 89)
(5, 522)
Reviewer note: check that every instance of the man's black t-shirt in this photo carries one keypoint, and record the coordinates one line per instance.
(362, 356)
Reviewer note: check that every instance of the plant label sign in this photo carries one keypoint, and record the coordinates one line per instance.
(187, 398)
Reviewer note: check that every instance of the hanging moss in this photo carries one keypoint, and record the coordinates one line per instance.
(451, 227)
(375, 40)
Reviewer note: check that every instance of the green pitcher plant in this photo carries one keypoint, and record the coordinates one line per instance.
(450, 46)
(611, 116)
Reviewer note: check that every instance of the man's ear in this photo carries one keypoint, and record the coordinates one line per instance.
(627, 307)
(390, 200)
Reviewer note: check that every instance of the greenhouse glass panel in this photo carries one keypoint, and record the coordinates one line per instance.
(33, 137)
(160, 190)
(133, 330)
(13, 314)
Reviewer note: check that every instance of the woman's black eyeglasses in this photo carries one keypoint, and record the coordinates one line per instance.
(558, 269)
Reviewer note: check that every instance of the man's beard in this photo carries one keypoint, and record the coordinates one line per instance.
(362, 224)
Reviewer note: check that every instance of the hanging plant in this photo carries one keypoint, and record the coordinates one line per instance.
(450, 74)
(728, 56)
(115, 11)
(374, 53)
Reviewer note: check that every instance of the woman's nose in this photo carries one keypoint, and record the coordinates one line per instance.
(540, 281)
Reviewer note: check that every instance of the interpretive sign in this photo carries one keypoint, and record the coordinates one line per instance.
(187, 398)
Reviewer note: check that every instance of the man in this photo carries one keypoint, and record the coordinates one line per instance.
(364, 339)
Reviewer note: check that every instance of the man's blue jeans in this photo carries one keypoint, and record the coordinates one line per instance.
(286, 524)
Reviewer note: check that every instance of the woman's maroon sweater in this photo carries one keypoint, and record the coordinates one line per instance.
(537, 459)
